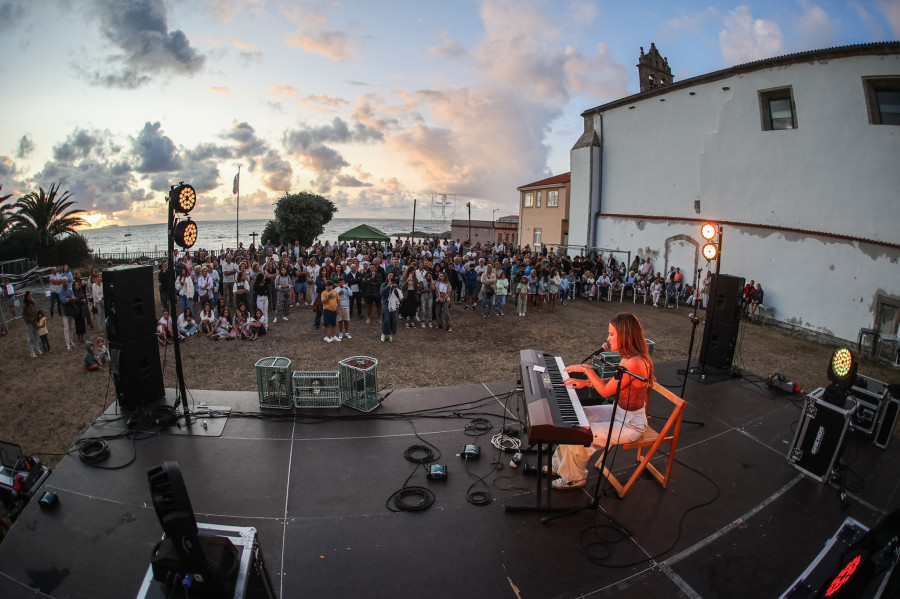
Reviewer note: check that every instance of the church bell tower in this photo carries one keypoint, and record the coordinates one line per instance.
(653, 69)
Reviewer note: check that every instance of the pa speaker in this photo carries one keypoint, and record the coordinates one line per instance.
(136, 372)
(728, 291)
(719, 342)
(130, 309)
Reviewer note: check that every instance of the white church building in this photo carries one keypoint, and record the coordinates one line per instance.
(796, 157)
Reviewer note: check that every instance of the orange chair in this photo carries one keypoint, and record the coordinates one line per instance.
(649, 442)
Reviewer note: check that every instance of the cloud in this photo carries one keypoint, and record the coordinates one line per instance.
(746, 39)
(7, 167)
(687, 22)
(338, 131)
(583, 12)
(349, 181)
(314, 37)
(225, 92)
(140, 31)
(320, 158)
(154, 151)
(814, 28)
(317, 103)
(12, 12)
(226, 11)
(84, 144)
(278, 172)
(891, 10)
(449, 48)
(248, 143)
(25, 148)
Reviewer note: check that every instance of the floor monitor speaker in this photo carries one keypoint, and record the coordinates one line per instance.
(137, 372)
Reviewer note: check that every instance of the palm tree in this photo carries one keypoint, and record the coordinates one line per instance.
(4, 208)
(46, 216)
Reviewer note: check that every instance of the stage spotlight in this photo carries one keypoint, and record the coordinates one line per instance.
(842, 374)
(186, 233)
(710, 251)
(183, 198)
(708, 231)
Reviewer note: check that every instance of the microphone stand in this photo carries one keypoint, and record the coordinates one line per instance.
(687, 369)
(594, 504)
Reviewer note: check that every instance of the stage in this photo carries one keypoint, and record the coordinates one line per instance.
(316, 488)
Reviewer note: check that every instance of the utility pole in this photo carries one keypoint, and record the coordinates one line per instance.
(494, 224)
(469, 206)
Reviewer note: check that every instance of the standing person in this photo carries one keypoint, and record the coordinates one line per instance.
(301, 285)
(283, 297)
(261, 290)
(165, 280)
(42, 331)
(426, 299)
(410, 305)
(99, 305)
(67, 307)
(355, 284)
(372, 281)
(184, 287)
(329, 311)
(55, 286)
(30, 316)
(344, 301)
(522, 292)
(242, 289)
(626, 336)
(391, 296)
(756, 299)
(444, 299)
(271, 272)
(205, 282)
(471, 280)
(488, 290)
(704, 289)
(502, 291)
(552, 290)
(80, 309)
(229, 272)
(317, 301)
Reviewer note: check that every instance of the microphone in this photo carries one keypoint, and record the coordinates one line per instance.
(693, 318)
(606, 347)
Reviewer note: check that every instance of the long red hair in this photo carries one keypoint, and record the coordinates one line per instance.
(631, 340)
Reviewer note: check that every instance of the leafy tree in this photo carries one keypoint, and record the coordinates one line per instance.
(299, 216)
(4, 208)
(46, 216)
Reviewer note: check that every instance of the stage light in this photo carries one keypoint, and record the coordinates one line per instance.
(186, 233)
(183, 198)
(710, 251)
(842, 374)
(708, 231)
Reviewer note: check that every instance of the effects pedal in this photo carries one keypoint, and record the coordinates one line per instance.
(437, 472)
(470, 452)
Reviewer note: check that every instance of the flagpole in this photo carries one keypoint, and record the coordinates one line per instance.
(237, 191)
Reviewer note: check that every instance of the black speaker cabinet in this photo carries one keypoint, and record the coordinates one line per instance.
(136, 372)
(727, 293)
(884, 430)
(130, 308)
(719, 343)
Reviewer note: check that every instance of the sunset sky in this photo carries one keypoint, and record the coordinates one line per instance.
(371, 104)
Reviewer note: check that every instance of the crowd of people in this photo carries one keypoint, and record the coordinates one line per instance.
(240, 294)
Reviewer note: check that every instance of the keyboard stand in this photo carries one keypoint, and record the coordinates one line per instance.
(538, 507)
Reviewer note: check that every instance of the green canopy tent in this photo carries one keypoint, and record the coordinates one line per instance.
(363, 233)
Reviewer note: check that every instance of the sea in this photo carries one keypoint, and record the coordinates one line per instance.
(219, 234)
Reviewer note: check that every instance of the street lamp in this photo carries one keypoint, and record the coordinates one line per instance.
(494, 221)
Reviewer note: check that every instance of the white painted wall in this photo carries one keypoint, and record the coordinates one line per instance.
(835, 173)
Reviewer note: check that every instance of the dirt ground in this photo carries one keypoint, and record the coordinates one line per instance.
(49, 401)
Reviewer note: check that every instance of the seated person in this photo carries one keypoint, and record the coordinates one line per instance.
(620, 422)
(164, 328)
(257, 325)
(90, 359)
(671, 294)
(603, 285)
(187, 326)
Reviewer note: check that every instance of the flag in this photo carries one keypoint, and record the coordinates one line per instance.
(237, 183)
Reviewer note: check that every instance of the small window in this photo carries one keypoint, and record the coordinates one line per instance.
(883, 100)
(552, 198)
(529, 200)
(537, 237)
(777, 109)
(538, 199)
